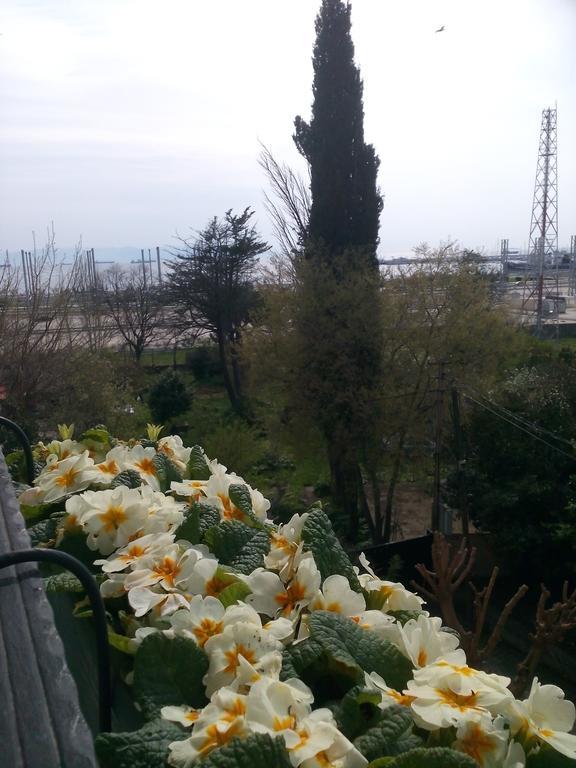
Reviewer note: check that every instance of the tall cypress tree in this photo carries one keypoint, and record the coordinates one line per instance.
(338, 314)
(346, 202)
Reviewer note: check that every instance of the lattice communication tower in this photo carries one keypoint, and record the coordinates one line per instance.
(543, 245)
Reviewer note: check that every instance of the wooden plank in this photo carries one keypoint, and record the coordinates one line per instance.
(41, 724)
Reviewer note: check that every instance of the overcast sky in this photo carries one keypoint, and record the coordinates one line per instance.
(125, 121)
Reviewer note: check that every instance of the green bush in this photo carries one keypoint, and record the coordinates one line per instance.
(204, 363)
(168, 398)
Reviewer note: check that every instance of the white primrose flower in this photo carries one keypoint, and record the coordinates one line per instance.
(337, 596)
(132, 553)
(162, 604)
(191, 490)
(446, 694)
(169, 568)
(65, 448)
(390, 696)
(141, 460)
(319, 742)
(61, 478)
(238, 639)
(217, 489)
(286, 547)
(173, 447)
(203, 619)
(115, 461)
(485, 741)
(384, 625)
(164, 512)
(423, 641)
(394, 596)
(545, 716)
(111, 517)
(271, 596)
(186, 716)
(219, 722)
(274, 707)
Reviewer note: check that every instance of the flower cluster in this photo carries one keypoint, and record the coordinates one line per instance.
(246, 619)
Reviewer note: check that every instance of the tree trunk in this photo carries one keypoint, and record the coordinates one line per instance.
(344, 482)
(228, 383)
(388, 510)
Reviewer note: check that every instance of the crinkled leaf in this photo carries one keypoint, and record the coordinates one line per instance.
(320, 539)
(359, 649)
(240, 496)
(233, 594)
(63, 582)
(358, 711)
(146, 748)
(256, 751)
(237, 545)
(168, 671)
(227, 539)
(391, 736)
(189, 529)
(166, 471)
(130, 478)
(209, 517)
(44, 533)
(403, 616)
(437, 757)
(198, 468)
(251, 556)
(96, 435)
(74, 543)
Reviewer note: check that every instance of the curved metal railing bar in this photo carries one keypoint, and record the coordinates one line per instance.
(89, 583)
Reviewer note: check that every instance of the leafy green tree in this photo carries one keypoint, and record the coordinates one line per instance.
(168, 398)
(211, 286)
(346, 202)
(339, 354)
(520, 465)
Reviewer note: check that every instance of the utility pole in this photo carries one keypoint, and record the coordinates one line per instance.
(440, 521)
(460, 495)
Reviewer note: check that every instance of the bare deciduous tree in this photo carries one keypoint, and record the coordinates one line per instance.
(135, 307)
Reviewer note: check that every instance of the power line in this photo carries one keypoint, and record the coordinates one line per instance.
(518, 426)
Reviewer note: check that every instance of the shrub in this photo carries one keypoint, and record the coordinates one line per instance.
(168, 398)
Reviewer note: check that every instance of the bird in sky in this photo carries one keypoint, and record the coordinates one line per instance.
(441, 29)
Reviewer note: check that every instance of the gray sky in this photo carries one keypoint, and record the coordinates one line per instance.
(125, 121)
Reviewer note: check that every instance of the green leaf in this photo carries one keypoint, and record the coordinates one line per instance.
(146, 748)
(382, 762)
(166, 471)
(122, 643)
(320, 539)
(227, 539)
(391, 736)
(240, 497)
(359, 649)
(256, 751)
(74, 543)
(209, 517)
(358, 711)
(189, 529)
(44, 533)
(237, 545)
(438, 757)
(233, 594)
(251, 556)
(96, 435)
(198, 468)
(63, 582)
(168, 671)
(130, 478)
(403, 616)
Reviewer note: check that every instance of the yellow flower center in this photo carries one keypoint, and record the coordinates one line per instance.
(477, 743)
(232, 657)
(458, 701)
(230, 511)
(113, 518)
(216, 738)
(66, 479)
(288, 599)
(207, 629)
(108, 467)
(285, 723)
(146, 466)
(167, 569)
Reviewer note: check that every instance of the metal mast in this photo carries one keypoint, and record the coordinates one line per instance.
(543, 245)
